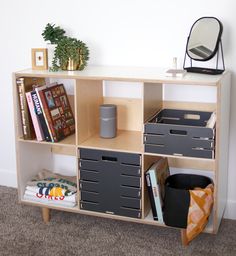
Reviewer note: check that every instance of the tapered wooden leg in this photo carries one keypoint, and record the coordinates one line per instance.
(46, 214)
(184, 237)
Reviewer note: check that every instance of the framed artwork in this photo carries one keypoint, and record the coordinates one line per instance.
(39, 58)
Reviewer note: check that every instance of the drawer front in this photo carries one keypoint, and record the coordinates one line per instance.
(166, 150)
(179, 140)
(130, 202)
(130, 191)
(98, 166)
(123, 211)
(167, 129)
(130, 212)
(122, 201)
(89, 186)
(88, 175)
(110, 182)
(187, 142)
(91, 165)
(104, 155)
(89, 196)
(130, 170)
(130, 181)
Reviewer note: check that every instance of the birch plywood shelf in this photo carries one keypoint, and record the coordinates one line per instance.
(87, 95)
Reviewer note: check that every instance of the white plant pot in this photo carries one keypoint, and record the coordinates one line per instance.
(51, 49)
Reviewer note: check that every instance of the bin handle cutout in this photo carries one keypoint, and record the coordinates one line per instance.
(192, 116)
(109, 158)
(178, 132)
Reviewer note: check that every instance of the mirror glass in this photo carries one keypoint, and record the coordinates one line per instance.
(204, 38)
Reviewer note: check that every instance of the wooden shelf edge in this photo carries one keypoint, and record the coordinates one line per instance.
(75, 209)
(125, 141)
(181, 157)
(60, 143)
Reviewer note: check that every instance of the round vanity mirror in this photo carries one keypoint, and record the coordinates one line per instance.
(204, 38)
(204, 42)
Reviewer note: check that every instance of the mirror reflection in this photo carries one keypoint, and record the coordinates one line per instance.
(204, 38)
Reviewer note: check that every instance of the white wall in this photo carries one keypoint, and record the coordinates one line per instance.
(118, 32)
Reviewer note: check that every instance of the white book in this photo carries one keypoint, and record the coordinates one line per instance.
(34, 117)
(158, 173)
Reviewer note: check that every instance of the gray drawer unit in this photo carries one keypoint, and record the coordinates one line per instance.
(180, 132)
(110, 182)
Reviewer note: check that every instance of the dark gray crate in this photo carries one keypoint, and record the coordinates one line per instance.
(110, 182)
(180, 132)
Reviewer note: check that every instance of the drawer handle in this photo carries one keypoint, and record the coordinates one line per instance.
(178, 132)
(109, 158)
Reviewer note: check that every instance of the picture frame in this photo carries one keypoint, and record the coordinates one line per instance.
(39, 58)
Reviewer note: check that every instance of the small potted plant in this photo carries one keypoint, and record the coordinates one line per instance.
(52, 34)
(70, 54)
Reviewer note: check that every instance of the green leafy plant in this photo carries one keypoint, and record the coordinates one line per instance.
(53, 33)
(69, 48)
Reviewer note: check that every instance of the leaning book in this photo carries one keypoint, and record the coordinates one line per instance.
(57, 111)
(24, 85)
(155, 179)
(36, 122)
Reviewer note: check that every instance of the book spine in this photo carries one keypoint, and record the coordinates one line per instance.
(36, 123)
(151, 197)
(156, 195)
(40, 116)
(27, 126)
(47, 115)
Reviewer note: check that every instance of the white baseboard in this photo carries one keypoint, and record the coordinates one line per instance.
(230, 211)
(8, 178)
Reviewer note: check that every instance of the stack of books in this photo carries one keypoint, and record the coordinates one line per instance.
(45, 110)
(155, 180)
(52, 189)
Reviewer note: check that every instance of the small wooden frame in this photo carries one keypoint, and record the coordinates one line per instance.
(39, 58)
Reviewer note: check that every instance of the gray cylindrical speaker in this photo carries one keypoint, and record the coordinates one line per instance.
(108, 120)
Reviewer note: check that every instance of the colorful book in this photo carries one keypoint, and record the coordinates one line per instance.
(26, 84)
(40, 116)
(155, 177)
(34, 117)
(151, 197)
(57, 111)
(44, 112)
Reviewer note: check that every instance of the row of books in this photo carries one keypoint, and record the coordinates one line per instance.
(45, 110)
(155, 180)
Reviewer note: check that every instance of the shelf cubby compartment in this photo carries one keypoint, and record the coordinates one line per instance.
(35, 157)
(179, 165)
(69, 85)
(89, 97)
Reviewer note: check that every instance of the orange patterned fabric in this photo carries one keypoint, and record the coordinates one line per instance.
(201, 202)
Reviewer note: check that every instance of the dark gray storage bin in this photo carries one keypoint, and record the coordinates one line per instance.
(180, 132)
(110, 182)
(177, 197)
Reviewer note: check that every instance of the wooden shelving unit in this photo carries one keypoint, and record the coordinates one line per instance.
(32, 156)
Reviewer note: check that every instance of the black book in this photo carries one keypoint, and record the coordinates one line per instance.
(39, 113)
(150, 193)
